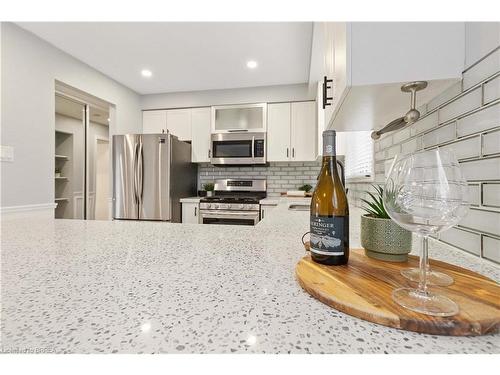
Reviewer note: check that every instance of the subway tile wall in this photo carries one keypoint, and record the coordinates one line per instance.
(280, 176)
(465, 118)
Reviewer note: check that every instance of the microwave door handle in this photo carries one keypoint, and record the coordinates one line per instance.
(253, 147)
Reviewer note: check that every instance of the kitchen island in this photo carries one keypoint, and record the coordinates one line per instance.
(71, 286)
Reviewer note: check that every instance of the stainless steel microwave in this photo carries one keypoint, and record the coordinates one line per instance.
(239, 148)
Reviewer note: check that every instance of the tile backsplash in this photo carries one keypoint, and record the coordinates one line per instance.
(465, 118)
(280, 176)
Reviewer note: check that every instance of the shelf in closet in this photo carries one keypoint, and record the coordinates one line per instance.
(61, 178)
(61, 199)
(62, 157)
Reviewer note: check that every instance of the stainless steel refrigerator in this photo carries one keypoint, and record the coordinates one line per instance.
(151, 172)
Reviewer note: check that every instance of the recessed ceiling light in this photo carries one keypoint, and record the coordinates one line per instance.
(146, 73)
(252, 64)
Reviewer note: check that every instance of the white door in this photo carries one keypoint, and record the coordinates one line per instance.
(154, 122)
(190, 213)
(303, 131)
(200, 132)
(179, 123)
(278, 132)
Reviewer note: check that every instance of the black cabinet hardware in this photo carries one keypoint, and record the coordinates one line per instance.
(326, 98)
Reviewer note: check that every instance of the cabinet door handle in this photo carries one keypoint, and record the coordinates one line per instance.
(293, 152)
(287, 152)
(209, 153)
(195, 211)
(262, 214)
(326, 98)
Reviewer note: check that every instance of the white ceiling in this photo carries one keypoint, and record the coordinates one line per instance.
(186, 56)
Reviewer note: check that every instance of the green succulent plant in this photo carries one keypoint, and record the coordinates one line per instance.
(307, 188)
(209, 186)
(375, 206)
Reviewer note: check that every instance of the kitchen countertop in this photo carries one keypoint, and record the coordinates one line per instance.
(190, 200)
(147, 287)
(274, 201)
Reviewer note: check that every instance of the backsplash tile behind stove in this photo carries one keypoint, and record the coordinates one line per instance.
(280, 176)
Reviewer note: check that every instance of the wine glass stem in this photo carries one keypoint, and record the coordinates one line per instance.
(424, 262)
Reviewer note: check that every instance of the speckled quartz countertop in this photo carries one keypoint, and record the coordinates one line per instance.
(145, 287)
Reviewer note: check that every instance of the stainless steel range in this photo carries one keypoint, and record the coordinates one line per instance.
(235, 202)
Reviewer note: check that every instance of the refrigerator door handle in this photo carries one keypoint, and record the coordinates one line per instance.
(140, 177)
(134, 161)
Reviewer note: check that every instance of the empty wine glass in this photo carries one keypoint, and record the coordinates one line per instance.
(426, 193)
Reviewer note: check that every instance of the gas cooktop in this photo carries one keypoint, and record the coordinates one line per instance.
(235, 194)
(232, 199)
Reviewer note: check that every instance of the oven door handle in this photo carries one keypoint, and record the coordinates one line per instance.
(237, 130)
(228, 213)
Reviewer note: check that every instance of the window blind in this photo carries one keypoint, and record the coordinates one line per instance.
(359, 158)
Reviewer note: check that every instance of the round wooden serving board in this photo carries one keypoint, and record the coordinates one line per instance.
(363, 288)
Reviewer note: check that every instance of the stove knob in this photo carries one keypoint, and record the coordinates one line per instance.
(209, 205)
(242, 206)
(216, 206)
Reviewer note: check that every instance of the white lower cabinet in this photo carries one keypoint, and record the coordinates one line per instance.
(190, 212)
(265, 209)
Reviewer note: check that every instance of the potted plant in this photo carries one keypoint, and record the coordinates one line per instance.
(381, 237)
(307, 188)
(209, 188)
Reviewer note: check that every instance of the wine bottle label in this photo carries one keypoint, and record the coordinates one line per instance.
(327, 234)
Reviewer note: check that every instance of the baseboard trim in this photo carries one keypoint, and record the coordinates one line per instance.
(44, 209)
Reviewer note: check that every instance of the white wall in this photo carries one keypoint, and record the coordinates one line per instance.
(281, 93)
(480, 39)
(29, 68)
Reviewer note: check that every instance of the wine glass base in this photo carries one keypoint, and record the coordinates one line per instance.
(433, 277)
(425, 303)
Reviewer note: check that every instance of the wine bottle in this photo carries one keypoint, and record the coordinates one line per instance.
(329, 211)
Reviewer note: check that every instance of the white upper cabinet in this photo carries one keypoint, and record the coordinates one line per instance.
(179, 123)
(291, 132)
(154, 122)
(176, 121)
(369, 61)
(278, 131)
(239, 118)
(188, 124)
(200, 131)
(303, 131)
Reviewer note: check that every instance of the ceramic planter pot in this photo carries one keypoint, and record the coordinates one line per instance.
(383, 239)
(210, 193)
